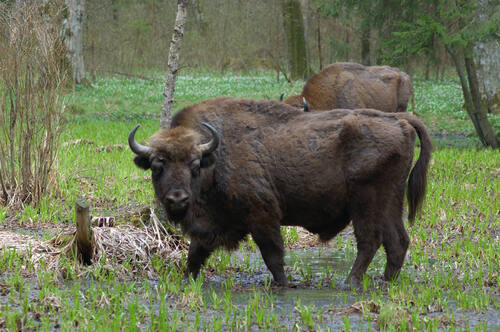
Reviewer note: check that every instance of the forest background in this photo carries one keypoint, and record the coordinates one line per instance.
(425, 38)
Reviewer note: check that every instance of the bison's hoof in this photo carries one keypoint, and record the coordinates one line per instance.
(279, 283)
(350, 284)
(188, 275)
(282, 283)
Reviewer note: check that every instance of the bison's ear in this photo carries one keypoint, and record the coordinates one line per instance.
(208, 160)
(142, 162)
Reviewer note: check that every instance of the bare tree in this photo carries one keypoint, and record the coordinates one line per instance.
(31, 81)
(173, 64)
(74, 39)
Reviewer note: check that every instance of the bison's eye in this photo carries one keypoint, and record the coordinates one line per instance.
(156, 168)
(195, 167)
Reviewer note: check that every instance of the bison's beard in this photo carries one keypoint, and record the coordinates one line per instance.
(177, 216)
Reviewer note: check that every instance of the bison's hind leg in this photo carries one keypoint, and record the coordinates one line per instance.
(377, 210)
(378, 220)
(396, 241)
(368, 240)
(395, 237)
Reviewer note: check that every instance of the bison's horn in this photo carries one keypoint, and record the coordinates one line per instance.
(137, 148)
(306, 105)
(214, 142)
(281, 96)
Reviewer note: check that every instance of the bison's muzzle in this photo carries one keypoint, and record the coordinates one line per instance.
(176, 203)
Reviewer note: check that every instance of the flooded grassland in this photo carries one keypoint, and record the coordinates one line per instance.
(449, 281)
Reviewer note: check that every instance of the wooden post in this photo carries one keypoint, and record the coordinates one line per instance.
(83, 236)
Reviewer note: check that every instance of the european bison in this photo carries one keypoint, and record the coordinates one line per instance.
(231, 167)
(352, 86)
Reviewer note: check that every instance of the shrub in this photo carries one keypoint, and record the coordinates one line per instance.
(32, 75)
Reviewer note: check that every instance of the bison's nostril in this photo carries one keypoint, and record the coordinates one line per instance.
(177, 197)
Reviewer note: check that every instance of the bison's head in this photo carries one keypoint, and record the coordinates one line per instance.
(295, 101)
(177, 158)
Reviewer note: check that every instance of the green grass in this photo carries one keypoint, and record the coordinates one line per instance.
(133, 98)
(449, 281)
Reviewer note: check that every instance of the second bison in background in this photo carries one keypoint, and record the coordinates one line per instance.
(351, 85)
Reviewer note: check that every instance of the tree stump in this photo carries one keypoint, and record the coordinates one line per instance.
(84, 238)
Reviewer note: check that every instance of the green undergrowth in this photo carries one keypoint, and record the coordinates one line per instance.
(440, 105)
(449, 281)
(117, 98)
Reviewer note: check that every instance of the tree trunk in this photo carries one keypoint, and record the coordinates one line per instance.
(427, 67)
(318, 33)
(480, 108)
(483, 127)
(485, 54)
(173, 64)
(347, 42)
(365, 42)
(304, 6)
(294, 31)
(83, 238)
(487, 66)
(199, 16)
(74, 39)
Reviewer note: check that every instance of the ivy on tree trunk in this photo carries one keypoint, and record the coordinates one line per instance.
(294, 31)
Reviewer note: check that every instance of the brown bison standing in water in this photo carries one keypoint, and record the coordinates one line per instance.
(231, 167)
(353, 86)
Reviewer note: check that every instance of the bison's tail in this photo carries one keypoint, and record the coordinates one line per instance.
(417, 182)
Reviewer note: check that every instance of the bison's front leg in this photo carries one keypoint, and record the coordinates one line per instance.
(270, 243)
(197, 256)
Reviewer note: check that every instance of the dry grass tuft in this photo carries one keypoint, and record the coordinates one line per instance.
(51, 302)
(125, 250)
(361, 307)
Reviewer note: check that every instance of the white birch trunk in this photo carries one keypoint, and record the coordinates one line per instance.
(173, 64)
(74, 39)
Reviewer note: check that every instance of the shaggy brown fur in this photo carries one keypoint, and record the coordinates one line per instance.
(352, 86)
(276, 165)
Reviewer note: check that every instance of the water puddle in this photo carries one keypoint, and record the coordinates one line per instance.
(312, 274)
